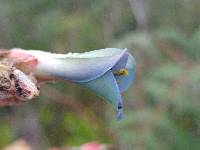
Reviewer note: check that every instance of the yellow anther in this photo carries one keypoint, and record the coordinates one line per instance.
(121, 72)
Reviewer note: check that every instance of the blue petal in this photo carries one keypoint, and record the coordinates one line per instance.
(107, 88)
(78, 67)
(124, 82)
(121, 62)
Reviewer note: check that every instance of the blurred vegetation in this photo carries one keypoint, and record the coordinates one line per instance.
(161, 109)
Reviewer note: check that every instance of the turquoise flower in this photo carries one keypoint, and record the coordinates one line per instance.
(107, 72)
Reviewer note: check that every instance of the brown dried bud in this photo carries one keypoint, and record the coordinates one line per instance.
(14, 84)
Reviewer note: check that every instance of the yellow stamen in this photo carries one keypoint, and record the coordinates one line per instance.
(121, 72)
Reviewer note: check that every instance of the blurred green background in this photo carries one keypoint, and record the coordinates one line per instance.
(162, 109)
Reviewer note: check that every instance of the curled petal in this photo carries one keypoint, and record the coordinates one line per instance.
(121, 62)
(124, 82)
(107, 88)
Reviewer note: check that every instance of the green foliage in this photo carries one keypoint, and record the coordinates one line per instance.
(79, 130)
(6, 133)
(194, 45)
(165, 111)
